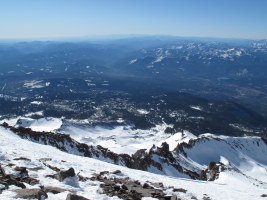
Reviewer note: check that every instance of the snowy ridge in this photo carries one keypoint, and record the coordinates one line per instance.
(247, 154)
(180, 154)
(140, 160)
(13, 147)
(119, 139)
(178, 159)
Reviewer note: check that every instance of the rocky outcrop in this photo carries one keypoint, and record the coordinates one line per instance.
(18, 180)
(156, 158)
(21, 177)
(141, 160)
(212, 172)
(134, 190)
(165, 156)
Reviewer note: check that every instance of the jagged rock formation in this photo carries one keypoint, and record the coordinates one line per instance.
(98, 180)
(141, 160)
(179, 162)
(212, 172)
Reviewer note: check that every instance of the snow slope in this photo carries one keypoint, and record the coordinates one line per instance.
(119, 139)
(42, 124)
(230, 185)
(247, 154)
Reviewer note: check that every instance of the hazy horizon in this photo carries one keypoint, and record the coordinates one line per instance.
(103, 38)
(31, 19)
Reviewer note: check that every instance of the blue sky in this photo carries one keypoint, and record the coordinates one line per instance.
(200, 18)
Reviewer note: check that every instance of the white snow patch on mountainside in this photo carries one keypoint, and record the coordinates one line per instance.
(36, 102)
(159, 59)
(36, 84)
(120, 139)
(196, 108)
(142, 111)
(132, 61)
(178, 138)
(39, 113)
(42, 124)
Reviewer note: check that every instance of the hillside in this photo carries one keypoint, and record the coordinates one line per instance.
(240, 172)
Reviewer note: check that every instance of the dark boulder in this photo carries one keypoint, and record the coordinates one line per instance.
(147, 186)
(64, 174)
(171, 197)
(13, 180)
(117, 172)
(22, 158)
(75, 197)
(5, 125)
(54, 190)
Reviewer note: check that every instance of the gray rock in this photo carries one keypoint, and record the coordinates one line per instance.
(42, 194)
(179, 190)
(64, 174)
(117, 172)
(26, 193)
(54, 190)
(75, 197)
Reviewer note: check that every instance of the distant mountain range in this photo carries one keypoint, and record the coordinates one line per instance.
(134, 118)
(109, 81)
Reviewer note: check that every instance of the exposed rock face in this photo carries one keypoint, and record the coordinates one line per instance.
(167, 157)
(212, 172)
(158, 158)
(141, 160)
